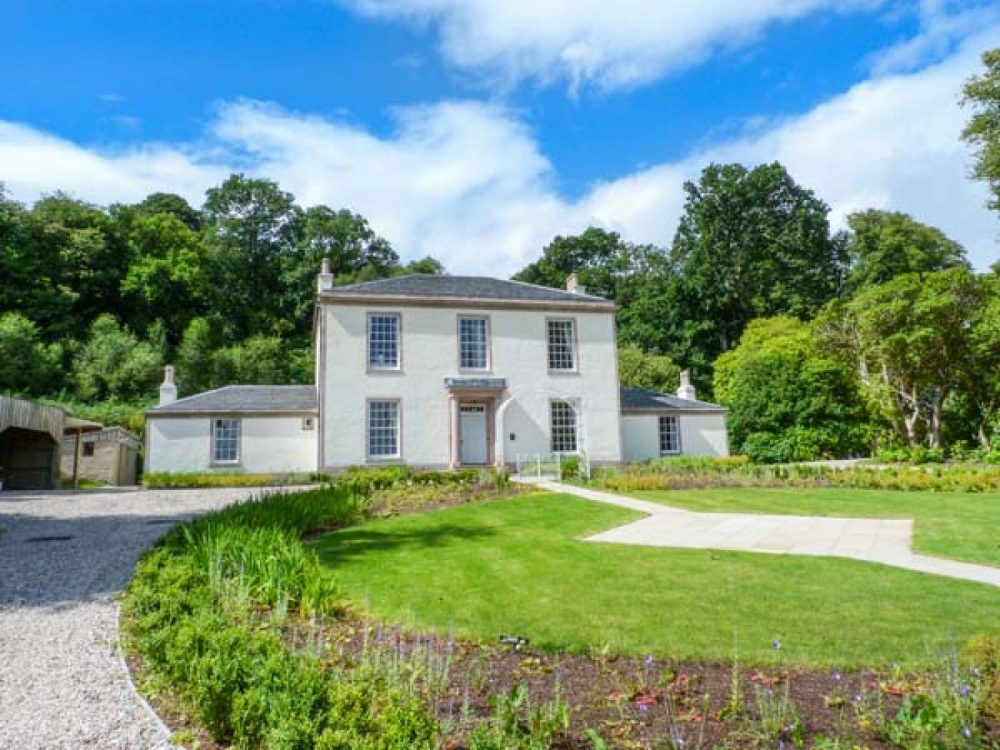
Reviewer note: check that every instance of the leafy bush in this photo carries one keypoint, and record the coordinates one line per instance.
(180, 480)
(984, 653)
(569, 467)
(205, 610)
(737, 471)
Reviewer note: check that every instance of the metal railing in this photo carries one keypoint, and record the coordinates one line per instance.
(539, 466)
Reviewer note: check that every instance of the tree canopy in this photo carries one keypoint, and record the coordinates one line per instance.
(982, 95)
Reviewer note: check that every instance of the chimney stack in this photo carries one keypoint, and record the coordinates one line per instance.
(686, 390)
(573, 284)
(325, 282)
(168, 391)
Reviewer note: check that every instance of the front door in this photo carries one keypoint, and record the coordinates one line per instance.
(472, 433)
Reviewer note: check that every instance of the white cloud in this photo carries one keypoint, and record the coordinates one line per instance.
(468, 183)
(608, 44)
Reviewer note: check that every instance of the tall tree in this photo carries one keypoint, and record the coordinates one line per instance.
(884, 244)
(93, 256)
(115, 364)
(30, 270)
(252, 228)
(604, 263)
(170, 204)
(634, 276)
(26, 363)
(788, 401)
(166, 277)
(982, 94)
(638, 369)
(910, 339)
(751, 243)
(355, 250)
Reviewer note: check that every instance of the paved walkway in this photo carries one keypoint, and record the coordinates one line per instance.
(872, 540)
(63, 558)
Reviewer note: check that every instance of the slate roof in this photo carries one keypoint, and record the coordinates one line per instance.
(643, 399)
(467, 287)
(245, 398)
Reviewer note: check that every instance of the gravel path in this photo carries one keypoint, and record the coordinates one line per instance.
(62, 682)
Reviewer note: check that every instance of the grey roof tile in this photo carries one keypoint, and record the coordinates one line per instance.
(474, 287)
(245, 398)
(641, 399)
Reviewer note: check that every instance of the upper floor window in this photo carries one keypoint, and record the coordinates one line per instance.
(562, 344)
(562, 423)
(473, 343)
(670, 439)
(225, 441)
(383, 341)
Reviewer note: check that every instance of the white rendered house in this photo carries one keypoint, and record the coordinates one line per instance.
(438, 372)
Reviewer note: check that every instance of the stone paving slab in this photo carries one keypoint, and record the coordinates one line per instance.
(884, 541)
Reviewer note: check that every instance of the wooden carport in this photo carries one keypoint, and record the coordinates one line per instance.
(30, 434)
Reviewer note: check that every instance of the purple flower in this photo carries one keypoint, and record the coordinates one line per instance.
(643, 707)
(649, 660)
(858, 698)
(837, 676)
(964, 690)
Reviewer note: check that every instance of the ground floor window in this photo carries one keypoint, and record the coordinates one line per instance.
(563, 427)
(383, 429)
(225, 441)
(670, 439)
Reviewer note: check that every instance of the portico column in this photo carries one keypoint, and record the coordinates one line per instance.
(455, 444)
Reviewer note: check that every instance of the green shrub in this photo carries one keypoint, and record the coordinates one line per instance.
(171, 480)
(569, 467)
(737, 471)
(984, 654)
(206, 609)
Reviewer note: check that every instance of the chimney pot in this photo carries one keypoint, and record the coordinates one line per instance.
(573, 284)
(325, 281)
(168, 389)
(685, 390)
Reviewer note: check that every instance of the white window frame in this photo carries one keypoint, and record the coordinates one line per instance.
(551, 324)
(487, 363)
(556, 439)
(668, 419)
(374, 366)
(237, 440)
(397, 429)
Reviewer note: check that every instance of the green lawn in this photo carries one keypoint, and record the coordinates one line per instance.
(961, 525)
(518, 566)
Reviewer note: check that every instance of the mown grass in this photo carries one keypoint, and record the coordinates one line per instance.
(519, 566)
(957, 525)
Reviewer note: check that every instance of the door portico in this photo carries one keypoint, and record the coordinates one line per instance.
(473, 409)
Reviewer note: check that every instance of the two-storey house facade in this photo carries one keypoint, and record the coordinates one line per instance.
(449, 371)
(438, 372)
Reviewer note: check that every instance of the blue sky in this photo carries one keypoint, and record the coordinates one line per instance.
(475, 130)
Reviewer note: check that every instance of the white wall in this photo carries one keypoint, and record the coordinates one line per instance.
(430, 354)
(701, 435)
(269, 445)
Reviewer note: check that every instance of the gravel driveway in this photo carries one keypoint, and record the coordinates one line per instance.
(63, 557)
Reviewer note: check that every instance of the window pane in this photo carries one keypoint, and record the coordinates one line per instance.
(383, 428)
(563, 423)
(226, 440)
(472, 344)
(562, 342)
(669, 437)
(383, 342)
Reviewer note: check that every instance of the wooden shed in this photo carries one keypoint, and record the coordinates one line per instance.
(108, 455)
(30, 435)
